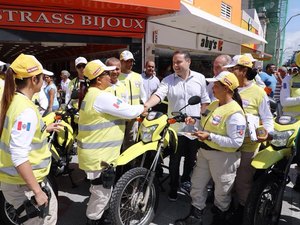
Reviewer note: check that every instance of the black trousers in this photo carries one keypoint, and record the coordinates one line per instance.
(187, 148)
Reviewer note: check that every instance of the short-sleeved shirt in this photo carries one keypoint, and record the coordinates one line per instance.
(269, 80)
(150, 84)
(178, 91)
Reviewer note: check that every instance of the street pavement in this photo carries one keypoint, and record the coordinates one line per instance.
(73, 200)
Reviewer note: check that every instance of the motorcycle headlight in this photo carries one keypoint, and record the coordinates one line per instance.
(280, 139)
(147, 133)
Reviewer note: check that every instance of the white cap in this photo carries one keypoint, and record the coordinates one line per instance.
(106, 68)
(2, 63)
(48, 73)
(250, 57)
(79, 60)
(126, 55)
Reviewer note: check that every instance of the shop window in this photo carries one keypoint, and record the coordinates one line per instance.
(225, 11)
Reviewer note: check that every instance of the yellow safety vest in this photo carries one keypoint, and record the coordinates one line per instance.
(39, 156)
(100, 135)
(215, 121)
(252, 97)
(119, 91)
(133, 87)
(295, 92)
(74, 85)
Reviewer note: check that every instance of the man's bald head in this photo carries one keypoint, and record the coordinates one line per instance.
(219, 62)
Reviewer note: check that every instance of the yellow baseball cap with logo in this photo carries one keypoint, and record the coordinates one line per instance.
(226, 78)
(240, 60)
(95, 68)
(26, 66)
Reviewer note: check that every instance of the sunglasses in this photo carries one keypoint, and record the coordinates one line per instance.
(80, 66)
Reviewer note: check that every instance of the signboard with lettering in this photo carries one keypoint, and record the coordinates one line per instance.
(47, 20)
(212, 44)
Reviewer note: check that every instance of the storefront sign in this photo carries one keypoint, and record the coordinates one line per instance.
(217, 45)
(70, 22)
(211, 44)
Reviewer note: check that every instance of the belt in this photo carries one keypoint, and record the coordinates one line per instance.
(206, 147)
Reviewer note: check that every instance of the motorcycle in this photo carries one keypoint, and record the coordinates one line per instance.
(135, 196)
(264, 203)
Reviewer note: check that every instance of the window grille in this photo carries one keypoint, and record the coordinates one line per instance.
(225, 11)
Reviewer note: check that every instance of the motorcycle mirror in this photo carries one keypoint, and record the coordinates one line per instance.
(194, 100)
(74, 94)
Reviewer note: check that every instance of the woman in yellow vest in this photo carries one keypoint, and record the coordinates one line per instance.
(100, 135)
(257, 111)
(222, 132)
(24, 156)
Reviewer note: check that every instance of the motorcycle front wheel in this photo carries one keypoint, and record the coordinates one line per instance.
(259, 208)
(133, 201)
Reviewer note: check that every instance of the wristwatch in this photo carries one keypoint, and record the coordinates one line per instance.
(209, 137)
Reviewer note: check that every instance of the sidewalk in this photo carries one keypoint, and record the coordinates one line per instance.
(72, 203)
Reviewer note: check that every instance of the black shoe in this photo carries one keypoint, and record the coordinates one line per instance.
(236, 217)
(194, 218)
(297, 184)
(220, 217)
(172, 196)
(185, 188)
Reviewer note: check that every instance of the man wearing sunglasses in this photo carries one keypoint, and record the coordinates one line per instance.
(78, 83)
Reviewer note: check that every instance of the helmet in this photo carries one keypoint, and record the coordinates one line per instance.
(297, 59)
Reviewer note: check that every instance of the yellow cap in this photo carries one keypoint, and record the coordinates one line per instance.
(226, 78)
(26, 66)
(241, 60)
(94, 68)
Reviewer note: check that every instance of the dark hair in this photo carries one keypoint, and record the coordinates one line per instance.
(10, 86)
(186, 54)
(269, 65)
(251, 73)
(236, 96)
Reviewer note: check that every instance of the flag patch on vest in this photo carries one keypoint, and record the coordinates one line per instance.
(240, 129)
(216, 120)
(117, 104)
(23, 126)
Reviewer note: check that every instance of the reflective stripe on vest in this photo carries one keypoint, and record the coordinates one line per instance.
(34, 146)
(12, 171)
(100, 125)
(99, 145)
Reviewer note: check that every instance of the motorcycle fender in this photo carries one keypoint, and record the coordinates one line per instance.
(268, 157)
(134, 151)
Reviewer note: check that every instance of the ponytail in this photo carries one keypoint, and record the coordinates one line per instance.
(236, 96)
(7, 97)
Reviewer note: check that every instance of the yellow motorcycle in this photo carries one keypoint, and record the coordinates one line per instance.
(264, 203)
(135, 196)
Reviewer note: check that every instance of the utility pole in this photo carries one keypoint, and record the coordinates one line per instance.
(278, 37)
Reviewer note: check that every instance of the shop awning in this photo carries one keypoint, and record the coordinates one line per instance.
(257, 54)
(141, 8)
(195, 20)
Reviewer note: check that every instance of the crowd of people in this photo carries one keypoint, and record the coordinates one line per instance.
(111, 95)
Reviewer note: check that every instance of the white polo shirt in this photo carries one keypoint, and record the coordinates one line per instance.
(178, 91)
